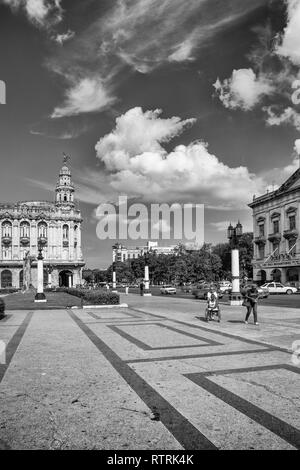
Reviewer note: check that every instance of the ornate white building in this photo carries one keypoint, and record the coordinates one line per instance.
(276, 223)
(53, 226)
(123, 253)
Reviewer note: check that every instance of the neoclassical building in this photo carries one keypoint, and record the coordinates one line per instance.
(276, 222)
(55, 227)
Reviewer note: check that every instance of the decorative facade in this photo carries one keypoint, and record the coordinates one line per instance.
(122, 253)
(53, 226)
(276, 222)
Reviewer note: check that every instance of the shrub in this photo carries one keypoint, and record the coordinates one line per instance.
(8, 290)
(96, 297)
(2, 308)
(101, 298)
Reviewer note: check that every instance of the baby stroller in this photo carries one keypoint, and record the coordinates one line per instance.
(213, 308)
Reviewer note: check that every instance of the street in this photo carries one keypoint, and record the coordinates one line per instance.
(150, 376)
(275, 300)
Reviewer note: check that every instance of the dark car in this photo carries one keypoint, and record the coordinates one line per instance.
(200, 292)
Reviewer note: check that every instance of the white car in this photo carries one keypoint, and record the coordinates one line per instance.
(278, 288)
(168, 290)
(225, 286)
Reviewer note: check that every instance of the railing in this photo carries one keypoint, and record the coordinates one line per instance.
(274, 236)
(261, 239)
(290, 233)
(6, 239)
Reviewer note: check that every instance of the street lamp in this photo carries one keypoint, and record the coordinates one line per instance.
(146, 290)
(234, 234)
(40, 296)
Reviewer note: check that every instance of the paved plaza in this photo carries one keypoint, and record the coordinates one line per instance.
(150, 376)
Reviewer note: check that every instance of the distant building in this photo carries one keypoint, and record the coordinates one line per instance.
(122, 253)
(276, 222)
(54, 226)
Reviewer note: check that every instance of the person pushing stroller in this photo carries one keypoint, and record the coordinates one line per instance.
(213, 307)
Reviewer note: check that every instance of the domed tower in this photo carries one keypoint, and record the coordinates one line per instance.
(64, 191)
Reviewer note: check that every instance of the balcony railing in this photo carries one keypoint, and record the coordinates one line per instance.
(290, 233)
(42, 241)
(273, 237)
(24, 241)
(260, 240)
(6, 240)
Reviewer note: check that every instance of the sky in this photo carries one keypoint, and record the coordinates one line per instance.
(165, 101)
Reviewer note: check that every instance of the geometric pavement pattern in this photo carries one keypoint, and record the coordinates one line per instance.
(210, 389)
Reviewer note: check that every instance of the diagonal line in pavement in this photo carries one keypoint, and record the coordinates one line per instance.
(179, 426)
(13, 344)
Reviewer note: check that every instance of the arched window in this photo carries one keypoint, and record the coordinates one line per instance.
(24, 230)
(6, 278)
(42, 230)
(65, 232)
(65, 197)
(6, 229)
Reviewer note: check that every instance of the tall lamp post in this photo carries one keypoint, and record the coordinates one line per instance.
(146, 291)
(234, 234)
(40, 296)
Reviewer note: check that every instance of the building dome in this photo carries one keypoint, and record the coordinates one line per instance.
(65, 171)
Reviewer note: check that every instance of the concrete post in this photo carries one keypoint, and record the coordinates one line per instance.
(49, 279)
(114, 279)
(235, 297)
(146, 291)
(40, 296)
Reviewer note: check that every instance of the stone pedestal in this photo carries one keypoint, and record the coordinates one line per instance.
(146, 291)
(235, 297)
(40, 296)
(114, 282)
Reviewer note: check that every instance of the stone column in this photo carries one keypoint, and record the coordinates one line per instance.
(40, 296)
(146, 290)
(71, 241)
(114, 280)
(235, 297)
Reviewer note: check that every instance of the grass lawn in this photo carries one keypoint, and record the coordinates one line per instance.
(25, 301)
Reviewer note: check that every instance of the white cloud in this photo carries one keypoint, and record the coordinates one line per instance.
(289, 42)
(287, 116)
(88, 95)
(138, 165)
(41, 12)
(142, 32)
(243, 90)
(62, 38)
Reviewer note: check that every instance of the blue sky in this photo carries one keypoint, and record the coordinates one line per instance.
(88, 78)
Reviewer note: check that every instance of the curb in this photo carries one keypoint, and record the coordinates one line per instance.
(102, 306)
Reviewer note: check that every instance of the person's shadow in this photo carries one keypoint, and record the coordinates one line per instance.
(235, 321)
(203, 319)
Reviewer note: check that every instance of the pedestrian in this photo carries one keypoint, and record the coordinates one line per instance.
(141, 288)
(250, 301)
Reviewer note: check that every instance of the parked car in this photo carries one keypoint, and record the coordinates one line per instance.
(168, 290)
(262, 290)
(225, 286)
(278, 288)
(200, 292)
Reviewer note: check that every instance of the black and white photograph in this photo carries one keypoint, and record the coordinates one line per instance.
(149, 228)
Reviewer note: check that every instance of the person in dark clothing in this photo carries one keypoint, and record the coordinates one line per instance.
(142, 288)
(251, 298)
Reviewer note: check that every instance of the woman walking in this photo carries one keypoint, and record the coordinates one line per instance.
(250, 301)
